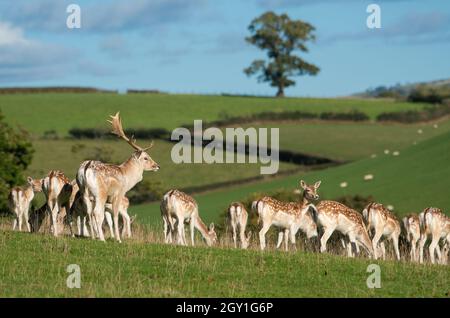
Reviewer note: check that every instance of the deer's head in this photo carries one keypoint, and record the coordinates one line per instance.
(310, 191)
(36, 184)
(140, 154)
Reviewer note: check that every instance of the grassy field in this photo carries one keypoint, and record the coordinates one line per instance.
(58, 154)
(35, 266)
(352, 141)
(60, 112)
(412, 181)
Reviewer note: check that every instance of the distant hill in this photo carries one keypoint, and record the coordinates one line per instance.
(440, 89)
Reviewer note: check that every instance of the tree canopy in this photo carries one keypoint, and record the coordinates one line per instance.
(282, 38)
(16, 153)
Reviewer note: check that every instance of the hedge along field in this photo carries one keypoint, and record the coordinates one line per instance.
(412, 181)
(59, 154)
(34, 265)
(60, 112)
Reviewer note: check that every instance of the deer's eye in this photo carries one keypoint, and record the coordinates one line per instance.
(146, 159)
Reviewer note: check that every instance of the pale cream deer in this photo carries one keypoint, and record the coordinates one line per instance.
(334, 216)
(385, 225)
(238, 217)
(288, 216)
(58, 191)
(177, 208)
(19, 201)
(101, 183)
(434, 223)
(412, 226)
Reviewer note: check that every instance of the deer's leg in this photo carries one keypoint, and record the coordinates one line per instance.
(115, 208)
(126, 223)
(109, 221)
(99, 215)
(324, 239)
(233, 228)
(395, 238)
(15, 223)
(262, 235)
(383, 250)
(180, 227)
(432, 247)
(165, 228)
(291, 233)
(280, 239)
(26, 218)
(422, 241)
(375, 240)
(192, 229)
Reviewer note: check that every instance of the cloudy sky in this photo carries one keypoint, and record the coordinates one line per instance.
(197, 46)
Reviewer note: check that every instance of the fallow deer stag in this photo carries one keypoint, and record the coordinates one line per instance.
(435, 223)
(412, 226)
(100, 183)
(385, 225)
(334, 216)
(290, 216)
(19, 201)
(58, 190)
(238, 217)
(178, 207)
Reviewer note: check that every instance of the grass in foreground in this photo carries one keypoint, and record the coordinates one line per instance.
(35, 266)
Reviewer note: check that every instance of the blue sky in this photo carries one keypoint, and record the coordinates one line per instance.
(197, 46)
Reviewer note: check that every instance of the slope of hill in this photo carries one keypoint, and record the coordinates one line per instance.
(417, 178)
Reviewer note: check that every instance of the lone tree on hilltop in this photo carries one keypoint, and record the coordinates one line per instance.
(282, 38)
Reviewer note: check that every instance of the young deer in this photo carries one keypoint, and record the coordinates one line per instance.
(238, 217)
(385, 225)
(290, 216)
(412, 226)
(58, 191)
(100, 182)
(435, 223)
(19, 201)
(178, 207)
(334, 216)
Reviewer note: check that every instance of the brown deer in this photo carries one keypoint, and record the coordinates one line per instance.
(412, 226)
(290, 216)
(334, 216)
(58, 191)
(434, 223)
(384, 224)
(101, 183)
(19, 201)
(238, 217)
(178, 207)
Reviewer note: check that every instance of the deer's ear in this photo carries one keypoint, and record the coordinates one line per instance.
(317, 184)
(302, 184)
(29, 179)
(211, 227)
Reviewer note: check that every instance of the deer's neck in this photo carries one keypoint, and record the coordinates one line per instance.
(303, 201)
(201, 227)
(28, 192)
(132, 172)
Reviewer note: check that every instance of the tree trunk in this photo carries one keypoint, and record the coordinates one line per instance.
(280, 92)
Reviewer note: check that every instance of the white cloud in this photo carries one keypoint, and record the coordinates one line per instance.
(10, 35)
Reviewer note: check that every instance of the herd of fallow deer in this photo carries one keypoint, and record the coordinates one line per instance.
(98, 194)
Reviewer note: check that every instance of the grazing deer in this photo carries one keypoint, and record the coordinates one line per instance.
(435, 223)
(412, 226)
(19, 201)
(290, 216)
(178, 207)
(100, 182)
(238, 217)
(334, 216)
(58, 191)
(384, 224)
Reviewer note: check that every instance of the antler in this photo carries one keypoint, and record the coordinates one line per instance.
(116, 123)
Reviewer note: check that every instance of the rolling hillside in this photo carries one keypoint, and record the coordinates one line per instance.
(60, 112)
(412, 181)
